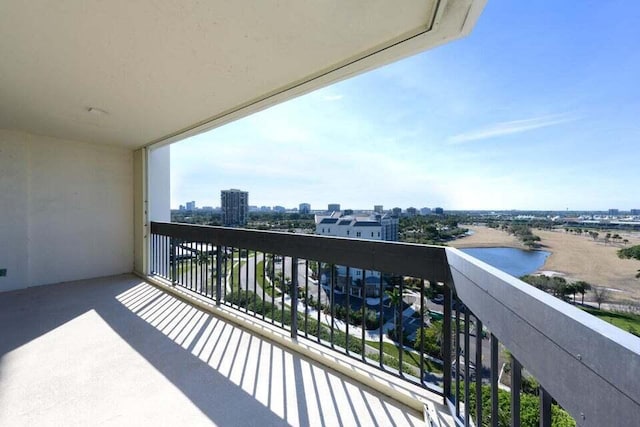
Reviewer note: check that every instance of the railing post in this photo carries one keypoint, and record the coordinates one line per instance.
(545, 408)
(218, 274)
(294, 297)
(494, 381)
(516, 384)
(446, 348)
(478, 372)
(174, 261)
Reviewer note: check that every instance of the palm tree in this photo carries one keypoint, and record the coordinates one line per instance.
(395, 299)
(582, 287)
(202, 260)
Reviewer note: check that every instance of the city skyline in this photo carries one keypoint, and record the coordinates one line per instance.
(507, 118)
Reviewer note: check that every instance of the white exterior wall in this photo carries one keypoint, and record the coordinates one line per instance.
(66, 210)
(350, 231)
(159, 191)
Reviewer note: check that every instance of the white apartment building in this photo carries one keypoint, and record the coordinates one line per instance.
(373, 227)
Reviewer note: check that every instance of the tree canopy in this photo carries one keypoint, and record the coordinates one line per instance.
(632, 252)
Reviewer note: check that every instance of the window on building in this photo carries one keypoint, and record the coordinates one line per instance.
(358, 234)
(378, 234)
(372, 234)
(323, 230)
(328, 230)
(348, 232)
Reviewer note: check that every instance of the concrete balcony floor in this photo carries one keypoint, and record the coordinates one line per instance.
(119, 351)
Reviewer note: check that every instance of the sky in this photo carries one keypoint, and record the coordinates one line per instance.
(537, 109)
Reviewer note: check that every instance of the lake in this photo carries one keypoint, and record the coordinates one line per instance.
(516, 262)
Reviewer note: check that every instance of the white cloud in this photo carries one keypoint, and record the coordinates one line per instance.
(509, 128)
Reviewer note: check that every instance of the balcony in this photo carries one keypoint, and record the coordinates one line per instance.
(277, 279)
(119, 351)
(189, 344)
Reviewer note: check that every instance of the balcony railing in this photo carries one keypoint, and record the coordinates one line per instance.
(369, 300)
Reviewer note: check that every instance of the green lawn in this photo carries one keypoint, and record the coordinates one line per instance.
(627, 321)
(410, 357)
(266, 285)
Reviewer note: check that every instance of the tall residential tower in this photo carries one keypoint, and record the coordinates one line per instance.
(235, 207)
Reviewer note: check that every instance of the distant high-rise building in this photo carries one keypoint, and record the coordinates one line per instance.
(614, 212)
(279, 209)
(425, 211)
(396, 211)
(304, 208)
(235, 207)
(333, 207)
(412, 212)
(635, 211)
(191, 206)
(438, 211)
(377, 208)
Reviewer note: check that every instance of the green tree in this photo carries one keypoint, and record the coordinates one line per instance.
(432, 339)
(582, 287)
(395, 299)
(632, 252)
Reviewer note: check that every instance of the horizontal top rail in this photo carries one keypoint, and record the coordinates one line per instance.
(427, 262)
(589, 366)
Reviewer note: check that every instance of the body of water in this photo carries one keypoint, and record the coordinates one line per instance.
(516, 262)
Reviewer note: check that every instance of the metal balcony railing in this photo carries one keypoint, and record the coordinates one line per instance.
(371, 301)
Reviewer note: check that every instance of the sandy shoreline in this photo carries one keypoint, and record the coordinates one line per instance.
(572, 256)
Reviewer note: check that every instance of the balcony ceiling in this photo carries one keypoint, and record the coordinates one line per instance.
(162, 70)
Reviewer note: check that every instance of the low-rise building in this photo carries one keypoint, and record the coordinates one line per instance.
(374, 227)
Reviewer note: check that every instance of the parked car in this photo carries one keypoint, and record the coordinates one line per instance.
(438, 299)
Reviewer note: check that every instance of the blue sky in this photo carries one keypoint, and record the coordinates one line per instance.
(539, 108)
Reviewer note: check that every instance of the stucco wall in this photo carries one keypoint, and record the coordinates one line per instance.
(66, 210)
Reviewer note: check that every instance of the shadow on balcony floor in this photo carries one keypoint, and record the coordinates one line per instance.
(120, 351)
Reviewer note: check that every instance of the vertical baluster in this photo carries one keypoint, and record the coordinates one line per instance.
(478, 372)
(294, 298)
(400, 330)
(174, 262)
(457, 345)
(494, 381)
(446, 350)
(191, 270)
(516, 385)
(273, 288)
(319, 267)
(306, 296)
(283, 287)
(381, 320)
(347, 287)
(231, 275)
(420, 332)
(332, 301)
(255, 282)
(545, 408)
(467, 370)
(264, 281)
(218, 274)
(246, 280)
(226, 272)
(363, 294)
